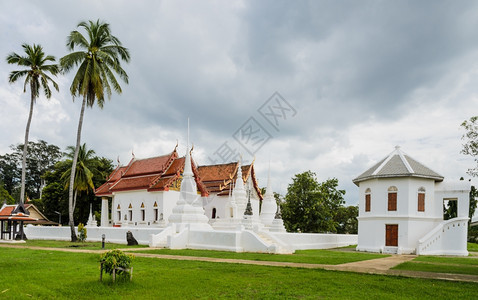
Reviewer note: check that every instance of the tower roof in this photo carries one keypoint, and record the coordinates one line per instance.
(398, 164)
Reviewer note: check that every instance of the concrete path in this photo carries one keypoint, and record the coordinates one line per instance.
(373, 266)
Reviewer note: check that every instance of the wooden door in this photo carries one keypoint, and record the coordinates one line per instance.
(391, 235)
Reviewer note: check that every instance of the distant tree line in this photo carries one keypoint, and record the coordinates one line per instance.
(47, 179)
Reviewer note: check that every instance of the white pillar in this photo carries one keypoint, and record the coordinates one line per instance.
(104, 212)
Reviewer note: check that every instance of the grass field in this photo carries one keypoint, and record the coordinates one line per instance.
(300, 256)
(39, 274)
(437, 264)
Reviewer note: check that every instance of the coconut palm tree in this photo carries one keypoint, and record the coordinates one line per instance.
(36, 76)
(98, 59)
(85, 164)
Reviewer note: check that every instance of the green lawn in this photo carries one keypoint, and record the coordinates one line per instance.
(85, 245)
(300, 256)
(39, 274)
(473, 247)
(440, 264)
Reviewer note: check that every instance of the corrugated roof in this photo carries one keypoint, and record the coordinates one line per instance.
(398, 164)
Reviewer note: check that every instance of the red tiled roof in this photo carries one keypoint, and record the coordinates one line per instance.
(153, 174)
(217, 178)
(7, 210)
(153, 165)
(158, 173)
(6, 213)
(133, 183)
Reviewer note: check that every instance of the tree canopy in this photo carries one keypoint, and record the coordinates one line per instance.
(41, 157)
(311, 206)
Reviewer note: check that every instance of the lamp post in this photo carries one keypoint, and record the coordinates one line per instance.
(59, 217)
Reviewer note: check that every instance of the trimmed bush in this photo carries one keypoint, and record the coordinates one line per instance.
(81, 232)
(116, 259)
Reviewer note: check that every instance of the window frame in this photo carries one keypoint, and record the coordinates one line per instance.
(421, 196)
(368, 200)
(392, 198)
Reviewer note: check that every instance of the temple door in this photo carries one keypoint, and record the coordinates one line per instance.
(391, 235)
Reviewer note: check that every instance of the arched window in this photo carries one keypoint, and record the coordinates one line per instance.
(118, 208)
(367, 199)
(421, 199)
(213, 213)
(143, 212)
(130, 212)
(392, 198)
(156, 211)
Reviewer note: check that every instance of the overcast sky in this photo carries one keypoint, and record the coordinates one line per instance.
(327, 86)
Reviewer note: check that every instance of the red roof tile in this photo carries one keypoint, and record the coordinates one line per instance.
(217, 178)
(7, 210)
(133, 183)
(153, 165)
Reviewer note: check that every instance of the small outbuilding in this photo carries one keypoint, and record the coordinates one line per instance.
(12, 218)
(401, 209)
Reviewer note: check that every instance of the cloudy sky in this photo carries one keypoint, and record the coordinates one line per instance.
(327, 86)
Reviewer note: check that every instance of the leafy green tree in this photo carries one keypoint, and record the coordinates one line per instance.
(41, 157)
(83, 181)
(55, 196)
(346, 219)
(97, 61)
(10, 175)
(36, 76)
(311, 206)
(5, 196)
(473, 201)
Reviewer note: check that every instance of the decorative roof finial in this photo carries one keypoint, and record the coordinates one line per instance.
(187, 163)
(397, 147)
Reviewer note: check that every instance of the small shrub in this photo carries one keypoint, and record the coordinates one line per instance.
(81, 232)
(116, 258)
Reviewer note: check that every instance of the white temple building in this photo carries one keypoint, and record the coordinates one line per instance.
(401, 209)
(144, 192)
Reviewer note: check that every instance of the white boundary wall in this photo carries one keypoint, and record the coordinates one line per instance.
(237, 241)
(303, 241)
(112, 234)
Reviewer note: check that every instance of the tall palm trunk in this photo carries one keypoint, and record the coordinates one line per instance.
(71, 198)
(25, 145)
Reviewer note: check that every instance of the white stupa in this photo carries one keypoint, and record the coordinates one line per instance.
(188, 210)
(91, 219)
(269, 205)
(239, 192)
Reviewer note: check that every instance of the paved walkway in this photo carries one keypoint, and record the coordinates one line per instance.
(373, 266)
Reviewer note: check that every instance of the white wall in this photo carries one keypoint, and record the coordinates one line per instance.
(302, 241)
(407, 197)
(112, 234)
(165, 202)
